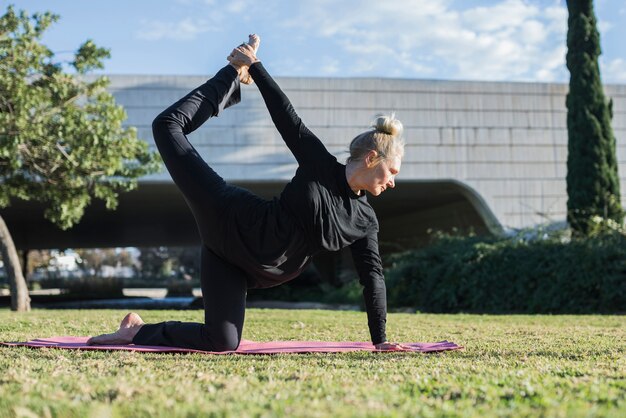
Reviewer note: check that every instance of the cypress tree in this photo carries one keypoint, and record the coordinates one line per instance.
(592, 173)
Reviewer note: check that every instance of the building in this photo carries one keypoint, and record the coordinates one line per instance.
(489, 156)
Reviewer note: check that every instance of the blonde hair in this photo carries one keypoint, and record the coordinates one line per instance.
(385, 138)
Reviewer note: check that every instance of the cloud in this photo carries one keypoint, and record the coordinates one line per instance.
(215, 17)
(190, 2)
(511, 39)
(292, 66)
(604, 26)
(237, 6)
(508, 14)
(183, 30)
(613, 71)
(330, 66)
(500, 40)
(552, 68)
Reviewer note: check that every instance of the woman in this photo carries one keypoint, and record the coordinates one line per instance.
(249, 242)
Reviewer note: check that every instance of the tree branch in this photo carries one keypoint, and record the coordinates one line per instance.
(66, 155)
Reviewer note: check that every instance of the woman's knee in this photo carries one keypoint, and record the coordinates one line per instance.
(223, 339)
(226, 345)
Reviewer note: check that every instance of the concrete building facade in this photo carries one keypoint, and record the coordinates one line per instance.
(505, 141)
(486, 155)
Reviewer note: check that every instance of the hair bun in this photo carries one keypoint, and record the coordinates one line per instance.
(388, 125)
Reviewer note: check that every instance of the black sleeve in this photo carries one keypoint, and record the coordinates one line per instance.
(304, 145)
(369, 267)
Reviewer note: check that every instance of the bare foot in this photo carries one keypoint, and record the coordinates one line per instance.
(254, 41)
(124, 335)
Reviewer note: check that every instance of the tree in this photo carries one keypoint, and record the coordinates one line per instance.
(152, 260)
(61, 136)
(36, 259)
(161, 262)
(592, 172)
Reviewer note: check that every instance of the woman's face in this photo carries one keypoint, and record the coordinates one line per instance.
(381, 176)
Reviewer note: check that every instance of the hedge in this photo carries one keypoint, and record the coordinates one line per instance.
(512, 275)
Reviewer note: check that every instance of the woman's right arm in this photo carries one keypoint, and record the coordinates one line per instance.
(304, 145)
(370, 270)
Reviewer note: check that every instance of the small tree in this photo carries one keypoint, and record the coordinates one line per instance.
(61, 137)
(160, 262)
(592, 173)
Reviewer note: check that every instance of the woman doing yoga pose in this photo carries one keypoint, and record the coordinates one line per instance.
(249, 242)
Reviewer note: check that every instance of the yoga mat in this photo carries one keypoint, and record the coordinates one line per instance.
(246, 347)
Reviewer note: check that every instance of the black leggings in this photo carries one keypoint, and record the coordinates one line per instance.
(224, 285)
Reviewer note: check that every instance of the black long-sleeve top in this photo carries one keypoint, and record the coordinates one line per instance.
(329, 213)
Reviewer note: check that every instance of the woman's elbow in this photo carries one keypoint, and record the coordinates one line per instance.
(164, 122)
(161, 121)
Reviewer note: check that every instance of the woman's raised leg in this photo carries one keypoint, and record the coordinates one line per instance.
(199, 184)
(193, 176)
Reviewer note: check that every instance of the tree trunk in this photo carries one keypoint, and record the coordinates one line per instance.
(26, 270)
(20, 300)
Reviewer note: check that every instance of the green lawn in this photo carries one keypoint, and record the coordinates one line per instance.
(512, 366)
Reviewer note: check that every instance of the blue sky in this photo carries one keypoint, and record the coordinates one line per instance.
(511, 40)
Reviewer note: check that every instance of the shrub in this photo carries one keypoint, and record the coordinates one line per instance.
(512, 275)
(95, 287)
(179, 288)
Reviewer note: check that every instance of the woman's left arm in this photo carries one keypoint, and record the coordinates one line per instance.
(303, 144)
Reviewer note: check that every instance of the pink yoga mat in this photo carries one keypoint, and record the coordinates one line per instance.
(246, 347)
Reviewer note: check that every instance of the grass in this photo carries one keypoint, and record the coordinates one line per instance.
(561, 366)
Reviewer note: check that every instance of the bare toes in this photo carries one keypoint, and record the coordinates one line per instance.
(131, 320)
(254, 41)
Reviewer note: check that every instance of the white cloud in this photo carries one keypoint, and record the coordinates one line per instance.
(330, 66)
(214, 18)
(509, 13)
(511, 39)
(291, 66)
(613, 71)
(552, 68)
(188, 2)
(237, 6)
(604, 26)
(183, 30)
(533, 31)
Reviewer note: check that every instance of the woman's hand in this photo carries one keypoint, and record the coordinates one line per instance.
(242, 56)
(387, 346)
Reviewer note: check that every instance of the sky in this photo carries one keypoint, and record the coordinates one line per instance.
(493, 40)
